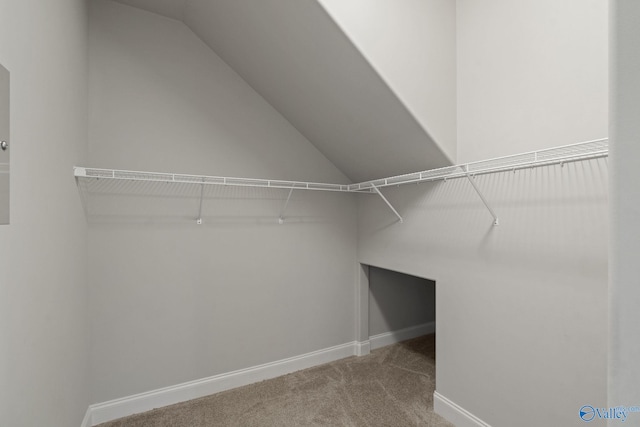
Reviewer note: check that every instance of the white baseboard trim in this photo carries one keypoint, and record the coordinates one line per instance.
(87, 421)
(454, 413)
(363, 348)
(388, 338)
(118, 408)
(138, 403)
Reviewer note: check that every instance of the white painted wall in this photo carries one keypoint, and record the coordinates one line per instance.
(412, 45)
(294, 54)
(531, 74)
(296, 57)
(398, 301)
(172, 301)
(43, 297)
(624, 293)
(521, 308)
(169, 8)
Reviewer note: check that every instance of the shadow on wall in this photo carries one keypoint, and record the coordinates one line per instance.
(177, 204)
(537, 281)
(399, 301)
(544, 212)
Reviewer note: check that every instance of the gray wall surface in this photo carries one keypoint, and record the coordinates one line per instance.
(294, 54)
(412, 45)
(522, 307)
(172, 301)
(398, 301)
(531, 75)
(5, 151)
(43, 299)
(624, 292)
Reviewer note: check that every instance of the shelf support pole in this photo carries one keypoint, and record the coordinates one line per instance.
(496, 221)
(199, 220)
(284, 208)
(387, 202)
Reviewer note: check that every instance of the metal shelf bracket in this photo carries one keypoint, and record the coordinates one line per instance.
(387, 202)
(496, 220)
(199, 220)
(284, 208)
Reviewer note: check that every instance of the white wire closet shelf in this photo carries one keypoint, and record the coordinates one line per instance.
(126, 175)
(550, 156)
(90, 177)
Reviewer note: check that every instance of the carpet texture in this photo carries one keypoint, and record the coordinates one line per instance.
(393, 386)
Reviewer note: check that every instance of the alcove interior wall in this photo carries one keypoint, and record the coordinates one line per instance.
(399, 301)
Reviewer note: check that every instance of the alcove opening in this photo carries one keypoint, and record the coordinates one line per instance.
(401, 306)
(398, 323)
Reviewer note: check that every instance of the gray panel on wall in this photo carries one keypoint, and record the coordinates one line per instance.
(4, 140)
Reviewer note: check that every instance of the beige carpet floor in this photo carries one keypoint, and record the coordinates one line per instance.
(393, 386)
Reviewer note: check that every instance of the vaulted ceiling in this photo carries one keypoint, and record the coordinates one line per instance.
(301, 62)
